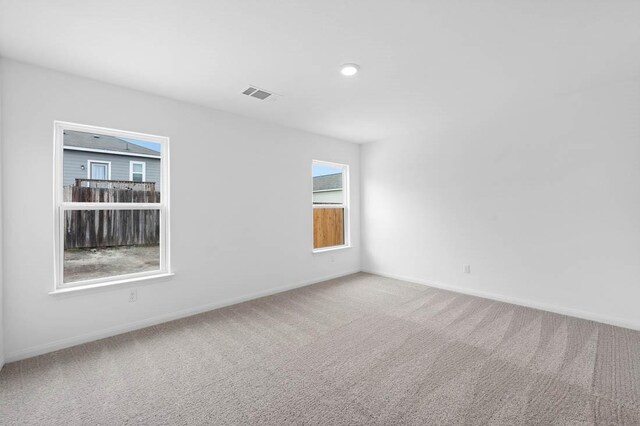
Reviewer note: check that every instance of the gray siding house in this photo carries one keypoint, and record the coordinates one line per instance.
(103, 157)
(327, 189)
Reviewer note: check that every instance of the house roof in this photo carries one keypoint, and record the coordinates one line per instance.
(327, 182)
(77, 139)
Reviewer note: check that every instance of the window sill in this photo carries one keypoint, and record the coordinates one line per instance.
(326, 249)
(115, 283)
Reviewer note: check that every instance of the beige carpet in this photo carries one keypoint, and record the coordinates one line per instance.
(357, 350)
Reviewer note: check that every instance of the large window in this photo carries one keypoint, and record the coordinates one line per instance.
(330, 205)
(112, 206)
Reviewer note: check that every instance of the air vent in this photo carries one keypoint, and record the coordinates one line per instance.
(261, 94)
(257, 93)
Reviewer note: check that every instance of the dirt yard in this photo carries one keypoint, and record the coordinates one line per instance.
(85, 264)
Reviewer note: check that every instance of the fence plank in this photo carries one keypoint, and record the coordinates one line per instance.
(110, 228)
(328, 227)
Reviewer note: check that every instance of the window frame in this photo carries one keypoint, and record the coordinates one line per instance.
(345, 205)
(90, 163)
(144, 170)
(60, 206)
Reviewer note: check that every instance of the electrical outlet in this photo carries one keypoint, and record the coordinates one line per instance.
(133, 295)
(466, 269)
(333, 259)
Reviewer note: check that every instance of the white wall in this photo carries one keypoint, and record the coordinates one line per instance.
(542, 200)
(1, 240)
(229, 241)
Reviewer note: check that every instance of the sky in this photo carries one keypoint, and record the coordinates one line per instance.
(319, 170)
(151, 145)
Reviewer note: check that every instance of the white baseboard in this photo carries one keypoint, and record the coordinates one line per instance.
(101, 334)
(620, 322)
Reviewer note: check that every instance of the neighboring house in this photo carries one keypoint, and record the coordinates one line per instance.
(89, 156)
(327, 189)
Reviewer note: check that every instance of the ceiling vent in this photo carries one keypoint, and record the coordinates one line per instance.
(258, 93)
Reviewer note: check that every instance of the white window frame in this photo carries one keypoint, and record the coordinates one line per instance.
(144, 170)
(344, 205)
(90, 162)
(60, 207)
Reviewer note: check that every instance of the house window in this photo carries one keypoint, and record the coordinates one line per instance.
(137, 171)
(330, 205)
(112, 219)
(98, 170)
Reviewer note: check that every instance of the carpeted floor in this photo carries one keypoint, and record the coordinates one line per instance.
(356, 350)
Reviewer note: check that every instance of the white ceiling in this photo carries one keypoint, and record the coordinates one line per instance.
(425, 64)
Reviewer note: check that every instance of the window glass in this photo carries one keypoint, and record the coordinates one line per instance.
(330, 205)
(111, 216)
(328, 227)
(104, 168)
(137, 171)
(106, 243)
(99, 171)
(327, 184)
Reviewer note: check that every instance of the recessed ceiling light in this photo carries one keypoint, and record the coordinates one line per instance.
(349, 70)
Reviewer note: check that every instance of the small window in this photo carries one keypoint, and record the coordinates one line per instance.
(111, 205)
(137, 171)
(330, 205)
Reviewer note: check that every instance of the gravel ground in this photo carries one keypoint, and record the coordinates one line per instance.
(84, 264)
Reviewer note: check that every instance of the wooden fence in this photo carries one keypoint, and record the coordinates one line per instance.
(110, 191)
(328, 227)
(116, 184)
(111, 228)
